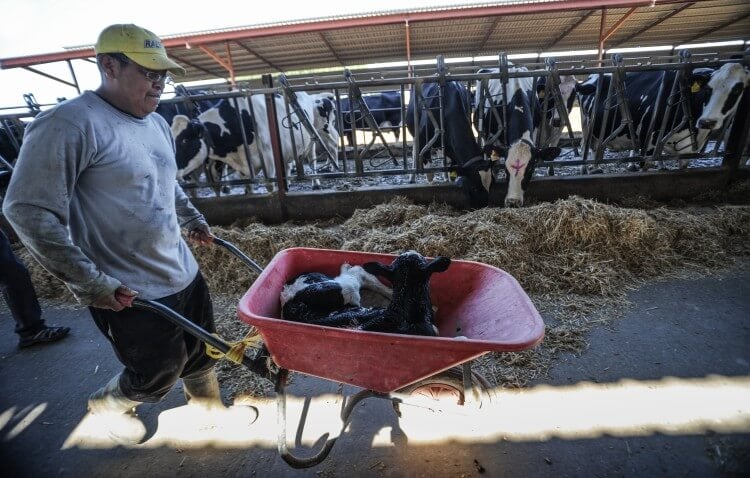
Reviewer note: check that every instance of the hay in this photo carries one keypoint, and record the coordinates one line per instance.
(576, 258)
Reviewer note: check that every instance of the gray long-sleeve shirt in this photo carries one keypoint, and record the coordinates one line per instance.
(95, 200)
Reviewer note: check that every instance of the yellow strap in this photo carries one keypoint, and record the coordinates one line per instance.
(236, 349)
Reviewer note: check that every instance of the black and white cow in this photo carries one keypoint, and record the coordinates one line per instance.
(216, 133)
(523, 114)
(189, 166)
(385, 108)
(553, 126)
(713, 98)
(461, 146)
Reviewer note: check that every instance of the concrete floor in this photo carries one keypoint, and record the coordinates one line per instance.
(663, 392)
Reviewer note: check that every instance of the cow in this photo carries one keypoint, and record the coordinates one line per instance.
(216, 133)
(187, 106)
(189, 169)
(461, 148)
(551, 130)
(523, 114)
(385, 108)
(713, 98)
(554, 124)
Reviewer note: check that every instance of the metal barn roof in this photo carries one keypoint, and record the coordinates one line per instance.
(479, 30)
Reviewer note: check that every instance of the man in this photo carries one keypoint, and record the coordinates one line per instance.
(19, 294)
(95, 200)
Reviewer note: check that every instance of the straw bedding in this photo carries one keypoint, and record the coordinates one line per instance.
(576, 259)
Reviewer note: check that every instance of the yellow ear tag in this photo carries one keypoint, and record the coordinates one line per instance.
(540, 94)
(494, 157)
(695, 88)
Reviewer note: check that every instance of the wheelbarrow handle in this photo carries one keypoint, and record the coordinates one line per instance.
(243, 257)
(257, 365)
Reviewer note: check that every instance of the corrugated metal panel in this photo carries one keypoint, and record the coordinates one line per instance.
(479, 30)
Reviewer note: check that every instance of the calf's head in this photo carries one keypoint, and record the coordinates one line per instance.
(410, 276)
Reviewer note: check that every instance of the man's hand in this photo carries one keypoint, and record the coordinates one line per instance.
(119, 299)
(201, 234)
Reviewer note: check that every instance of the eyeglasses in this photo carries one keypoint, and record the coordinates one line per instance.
(152, 75)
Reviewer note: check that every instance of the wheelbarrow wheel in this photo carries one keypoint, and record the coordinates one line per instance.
(445, 391)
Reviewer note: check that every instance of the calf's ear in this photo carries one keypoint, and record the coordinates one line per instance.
(438, 264)
(378, 269)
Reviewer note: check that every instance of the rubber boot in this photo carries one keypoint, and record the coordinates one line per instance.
(115, 413)
(210, 415)
(203, 390)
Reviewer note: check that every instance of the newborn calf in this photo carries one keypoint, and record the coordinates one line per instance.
(409, 312)
(313, 295)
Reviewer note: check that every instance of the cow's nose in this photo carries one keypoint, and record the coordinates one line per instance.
(513, 202)
(707, 123)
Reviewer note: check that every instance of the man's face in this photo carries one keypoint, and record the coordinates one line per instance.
(136, 92)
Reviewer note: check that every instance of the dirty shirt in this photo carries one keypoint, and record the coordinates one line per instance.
(95, 200)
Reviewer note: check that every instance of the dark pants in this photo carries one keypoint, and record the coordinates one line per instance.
(155, 352)
(18, 291)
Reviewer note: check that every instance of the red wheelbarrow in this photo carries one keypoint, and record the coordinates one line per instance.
(480, 309)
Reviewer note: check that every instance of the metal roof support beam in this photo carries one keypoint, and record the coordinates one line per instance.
(409, 66)
(657, 22)
(714, 29)
(330, 48)
(568, 30)
(231, 65)
(73, 74)
(603, 37)
(51, 77)
(216, 58)
(259, 56)
(193, 65)
(602, 23)
(490, 30)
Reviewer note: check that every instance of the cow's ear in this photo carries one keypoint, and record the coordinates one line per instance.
(179, 123)
(494, 149)
(378, 269)
(586, 88)
(550, 153)
(698, 79)
(438, 264)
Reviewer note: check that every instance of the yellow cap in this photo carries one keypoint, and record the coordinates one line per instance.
(138, 44)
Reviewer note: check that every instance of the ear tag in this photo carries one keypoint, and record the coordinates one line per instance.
(452, 175)
(494, 157)
(540, 94)
(695, 88)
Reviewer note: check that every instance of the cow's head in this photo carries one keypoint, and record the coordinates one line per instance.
(191, 149)
(568, 84)
(325, 121)
(725, 88)
(475, 177)
(521, 159)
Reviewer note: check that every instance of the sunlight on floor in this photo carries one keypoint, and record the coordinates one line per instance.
(584, 410)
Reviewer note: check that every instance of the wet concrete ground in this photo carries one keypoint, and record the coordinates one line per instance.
(665, 391)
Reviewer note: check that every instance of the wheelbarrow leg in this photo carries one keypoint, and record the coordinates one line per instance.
(297, 462)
